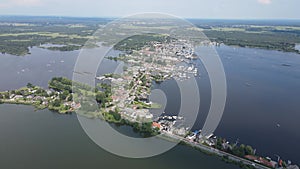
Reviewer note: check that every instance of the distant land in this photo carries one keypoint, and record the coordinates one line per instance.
(19, 33)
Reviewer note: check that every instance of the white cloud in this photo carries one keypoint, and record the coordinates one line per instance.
(266, 2)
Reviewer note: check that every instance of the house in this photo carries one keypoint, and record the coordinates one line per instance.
(75, 106)
(261, 161)
(12, 96)
(45, 103)
(18, 97)
(29, 97)
(156, 125)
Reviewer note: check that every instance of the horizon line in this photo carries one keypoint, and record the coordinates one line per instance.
(115, 17)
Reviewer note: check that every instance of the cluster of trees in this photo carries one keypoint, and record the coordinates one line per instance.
(60, 84)
(66, 95)
(238, 150)
(64, 87)
(267, 40)
(66, 48)
(157, 78)
(56, 103)
(115, 115)
(242, 150)
(112, 58)
(4, 95)
(145, 129)
(41, 92)
(102, 98)
(103, 94)
(30, 86)
(67, 87)
(137, 42)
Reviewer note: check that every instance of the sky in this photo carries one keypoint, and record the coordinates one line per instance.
(210, 9)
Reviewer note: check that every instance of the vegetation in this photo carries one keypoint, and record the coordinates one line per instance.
(238, 150)
(265, 37)
(112, 116)
(145, 129)
(60, 84)
(137, 42)
(158, 78)
(112, 58)
(242, 150)
(240, 164)
(18, 34)
(112, 75)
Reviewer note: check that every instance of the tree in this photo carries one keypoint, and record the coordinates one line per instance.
(13, 92)
(18, 92)
(146, 127)
(70, 97)
(242, 150)
(116, 115)
(100, 97)
(6, 95)
(41, 92)
(29, 85)
(64, 95)
(239, 150)
(219, 143)
(249, 150)
(56, 103)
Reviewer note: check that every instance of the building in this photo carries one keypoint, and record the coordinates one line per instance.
(156, 125)
(261, 161)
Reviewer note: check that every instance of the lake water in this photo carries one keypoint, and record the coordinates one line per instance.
(43, 139)
(263, 91)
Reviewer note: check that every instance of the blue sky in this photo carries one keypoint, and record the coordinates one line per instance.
(218, 9)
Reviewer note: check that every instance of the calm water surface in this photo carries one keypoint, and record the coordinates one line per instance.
(43, 139)
(263, 91)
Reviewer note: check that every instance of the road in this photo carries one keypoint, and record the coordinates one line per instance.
(216, 151)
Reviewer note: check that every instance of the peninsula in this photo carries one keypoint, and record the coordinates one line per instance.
(124, 98)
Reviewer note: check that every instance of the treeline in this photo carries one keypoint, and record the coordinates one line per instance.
(145, 129)
(35, 35)
(60, 84)
(66, 48)
(265, 40)
(235, 149)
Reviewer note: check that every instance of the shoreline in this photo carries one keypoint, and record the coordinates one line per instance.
(226, 157)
